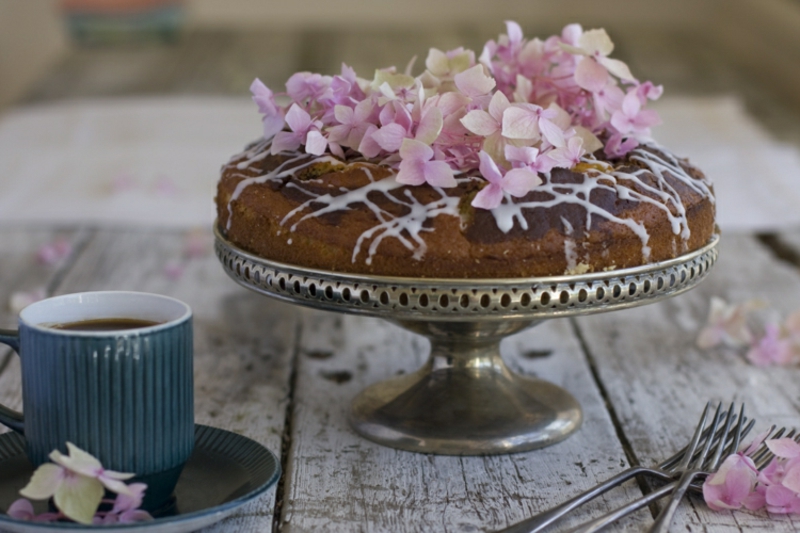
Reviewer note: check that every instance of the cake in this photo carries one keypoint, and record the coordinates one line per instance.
(535, 159)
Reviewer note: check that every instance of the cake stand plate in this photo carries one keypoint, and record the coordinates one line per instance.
(465, 400)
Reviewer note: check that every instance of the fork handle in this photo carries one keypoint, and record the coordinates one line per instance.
(613, 516)
(542, 520)
(665, 516)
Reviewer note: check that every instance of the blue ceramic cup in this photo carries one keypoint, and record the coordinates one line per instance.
(123, 395)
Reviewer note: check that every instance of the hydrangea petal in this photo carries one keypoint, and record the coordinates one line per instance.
(497, 105)
(21, 509)
(415, 150)
(519, 181)
(411, 172)
(480, 122)
(298, 119)
(44, 482)
(344, 114)
(315, 143)
(474, 82)
(755, 500)
(284, 141)
(714, 495)
(78, 497)
(779, 496)
(489, 197)
(488, 168)
(520, 123)
(590, 141)
(571, 33)
(522, 154)
(439, 174)
(430, 126)
(131, 499)
(591, 75)
(596, 42)
(617, 68)
(369, 146)
(272, 124)
(785, 448)
(514, 31)
(114, 485)
(792, 479)
(437, 62)
(552, 133)
(261, 95)
(390, 137)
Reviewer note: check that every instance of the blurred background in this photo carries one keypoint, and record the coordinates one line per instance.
(123, 110)
(51, 49)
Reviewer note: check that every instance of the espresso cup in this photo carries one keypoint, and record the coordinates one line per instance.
(123, 395)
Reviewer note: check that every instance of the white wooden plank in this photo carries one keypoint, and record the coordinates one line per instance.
(658, 381)
(338, 481)
(244, 343)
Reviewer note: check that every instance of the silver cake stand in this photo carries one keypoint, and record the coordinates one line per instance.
(465, 400)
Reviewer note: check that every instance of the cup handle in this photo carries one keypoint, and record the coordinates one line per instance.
(9, 417)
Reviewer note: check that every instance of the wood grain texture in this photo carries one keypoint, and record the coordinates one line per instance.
(657, 381)
(244, 343)
(340, 482)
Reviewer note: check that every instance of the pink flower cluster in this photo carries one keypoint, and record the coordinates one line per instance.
(738, 483)
(728, 325)
(523, 108)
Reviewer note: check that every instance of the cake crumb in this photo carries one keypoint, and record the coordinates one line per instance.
(577, 270)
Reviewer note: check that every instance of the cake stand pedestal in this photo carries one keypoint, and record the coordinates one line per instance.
(465, 400)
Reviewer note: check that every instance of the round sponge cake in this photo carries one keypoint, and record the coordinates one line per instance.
(353, 216)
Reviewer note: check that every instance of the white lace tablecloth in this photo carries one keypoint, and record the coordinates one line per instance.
(155, 161)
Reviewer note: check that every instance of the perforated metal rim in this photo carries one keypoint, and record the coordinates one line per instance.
(467, 299)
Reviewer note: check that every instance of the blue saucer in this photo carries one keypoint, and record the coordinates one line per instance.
(225, 471)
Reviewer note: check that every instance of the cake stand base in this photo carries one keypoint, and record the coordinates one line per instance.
(465, 400)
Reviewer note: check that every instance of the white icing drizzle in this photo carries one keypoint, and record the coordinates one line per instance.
(624, 185)
(644, 185)
(284, 170)
(405, 228)
(571, 254)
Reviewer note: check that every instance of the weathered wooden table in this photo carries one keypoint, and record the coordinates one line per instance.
(284, 375)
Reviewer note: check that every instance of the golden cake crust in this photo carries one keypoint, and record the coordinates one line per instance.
(352, 217)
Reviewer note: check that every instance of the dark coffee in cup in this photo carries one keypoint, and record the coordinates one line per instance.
(105, 324)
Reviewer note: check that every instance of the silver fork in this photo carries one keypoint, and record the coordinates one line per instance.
(689, 458)
(698, 468)
(760, 457)
(664, 471)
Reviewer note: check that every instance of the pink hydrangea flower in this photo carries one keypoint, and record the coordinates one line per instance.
(22, 509)
(567, 94)
(54, 252)
(516, 182)
(76, 482)
(353, 123)
(273, 115)
(727, 324)
(417, 168)
(592, 71)
(732, 484)
(771, 349)
(631, 118)
(304, 131)
(568, 154)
